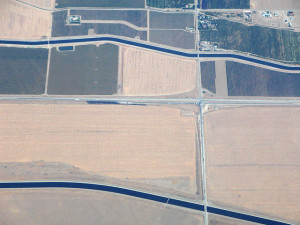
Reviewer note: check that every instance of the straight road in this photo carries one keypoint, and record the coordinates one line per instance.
(135, 100)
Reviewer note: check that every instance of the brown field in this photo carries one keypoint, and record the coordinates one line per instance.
(253, 159)
(67, 206)
(18, 20)
(149, 73)
(222, 220)
(275, 4)
(44, 4)
(110, 140)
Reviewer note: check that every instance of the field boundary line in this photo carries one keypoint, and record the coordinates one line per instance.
(47, 73)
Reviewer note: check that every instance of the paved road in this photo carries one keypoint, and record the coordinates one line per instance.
(121, 100)
(143, 195)
(135, 100)
(140, 44)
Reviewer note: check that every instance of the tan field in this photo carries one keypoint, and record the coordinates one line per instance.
(275, 4)
(44, 4)
(77, 207)
(149, 73)
(214, 219)
(20, 21)
(111, 140)
(253, 159)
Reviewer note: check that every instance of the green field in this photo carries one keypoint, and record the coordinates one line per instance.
(277, 44)
(168, 3)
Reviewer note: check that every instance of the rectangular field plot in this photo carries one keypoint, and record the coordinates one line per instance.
(148, 73)
(89, 70)
(136, 17)
(101, 3)
(22, 70)
(175, 38)
(168, 3)
(226, 4)
(22, 21)
(44, 4)
(275, 4)
(223, 220)
(247, 80)
(253, 159)
(171, 20)
(87, 207)
(93, 27)
(208, 75)
(133, 142)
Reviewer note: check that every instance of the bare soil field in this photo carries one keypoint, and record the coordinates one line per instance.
(275, 4)
(44, 4)
(147, 73)
(222, 220)
(253, 159)
(86, 207)
(221, 78)
(20, 21)
(110, 140)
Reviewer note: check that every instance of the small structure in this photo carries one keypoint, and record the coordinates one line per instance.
(74, 20)
(266, 14)
(191, 29)
(248, 16)
(189, 6)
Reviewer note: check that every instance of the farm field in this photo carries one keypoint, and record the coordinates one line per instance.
(275, 4)
(22, 70)
(252, 160)
(89, 70)
(168, 3)
(20, 21)
(126, 142)
(225, 4)
(148, 73)
(221, 78)
(261, 41)
(159, 20)
(221, 220)
(136, 17)
(171, 29)
(60, 29)
(208, 75)
(101, 3)
(248, 80)
(44, 4)
(174, 38)
(86, 207)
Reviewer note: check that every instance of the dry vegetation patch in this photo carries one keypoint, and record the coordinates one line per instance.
(253, 159)
(20, 21)
(44, 4)
(275, 4)
(111, 140)
(149, 73)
